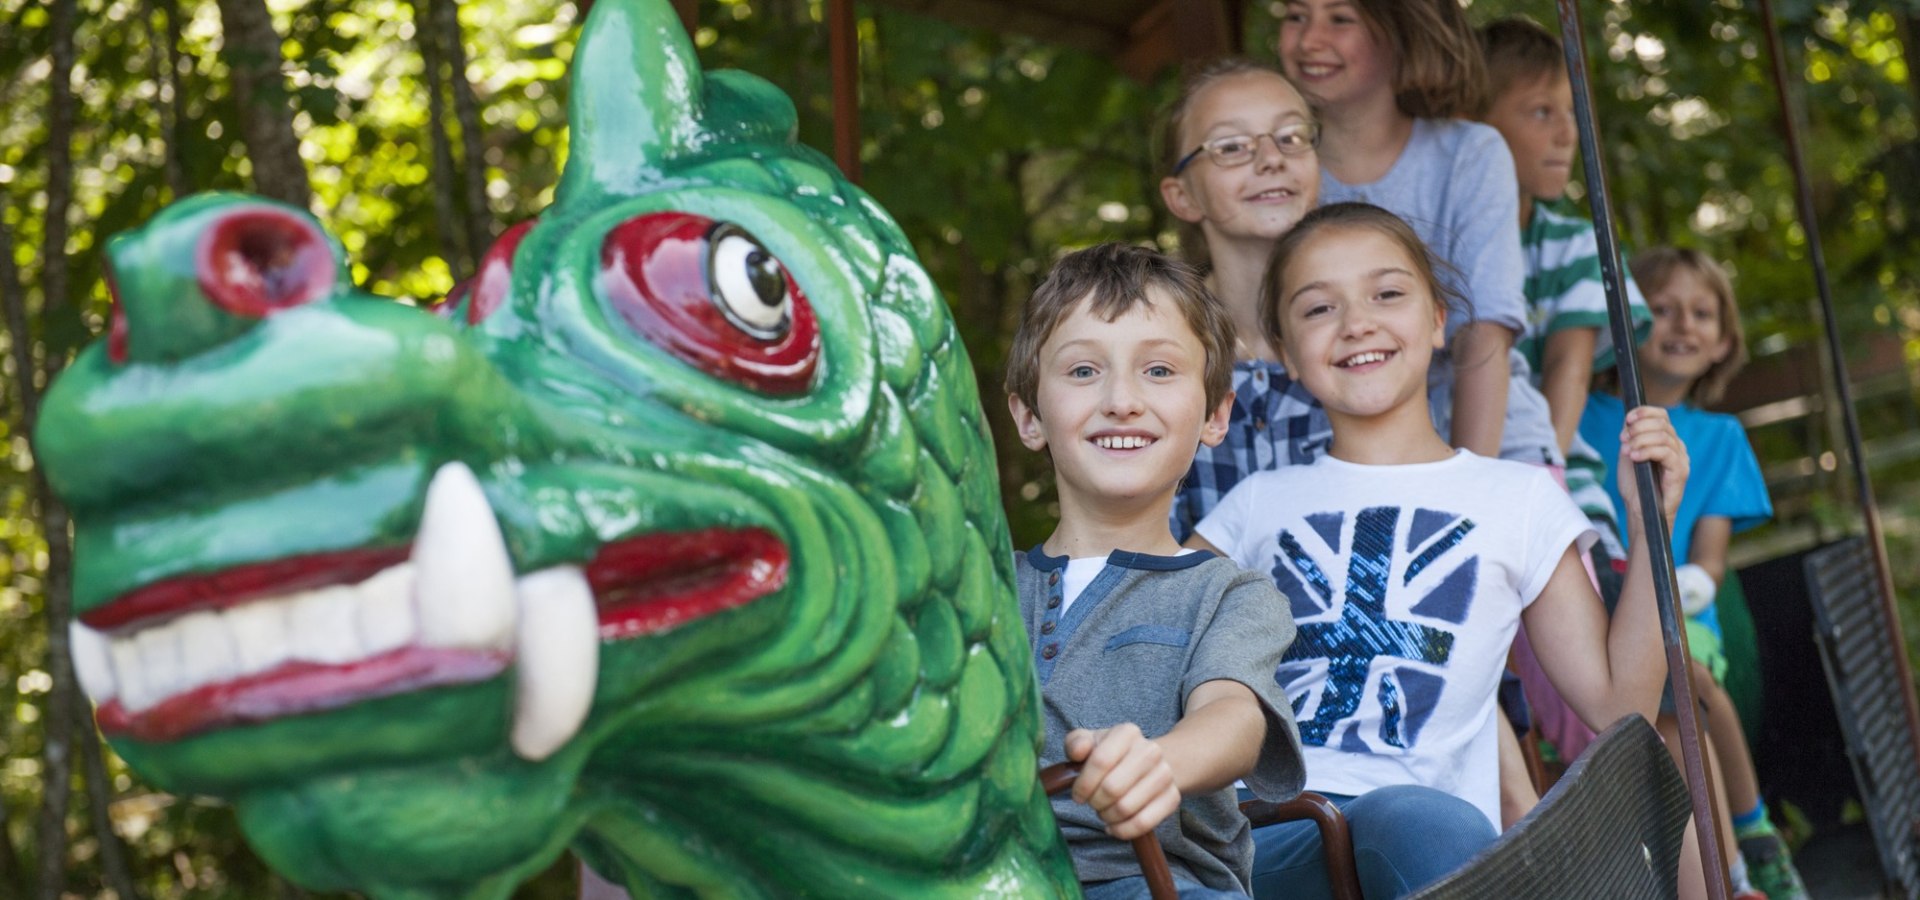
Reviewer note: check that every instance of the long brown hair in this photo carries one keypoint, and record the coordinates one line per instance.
(1438, 71)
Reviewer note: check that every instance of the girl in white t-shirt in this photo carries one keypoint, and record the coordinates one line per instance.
(1409, 564)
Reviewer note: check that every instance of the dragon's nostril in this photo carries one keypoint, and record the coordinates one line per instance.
(257, 261)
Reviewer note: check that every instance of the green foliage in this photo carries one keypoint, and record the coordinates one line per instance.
(995, 153)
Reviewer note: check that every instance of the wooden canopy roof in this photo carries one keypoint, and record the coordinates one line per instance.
(1142, 36)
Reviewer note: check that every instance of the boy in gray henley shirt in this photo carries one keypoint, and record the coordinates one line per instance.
(1156, 665)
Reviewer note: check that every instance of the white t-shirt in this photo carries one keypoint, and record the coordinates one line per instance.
(1406, 583)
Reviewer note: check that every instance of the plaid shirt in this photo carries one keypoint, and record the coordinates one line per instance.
(1274, 423)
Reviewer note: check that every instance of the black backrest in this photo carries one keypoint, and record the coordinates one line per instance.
(1864, 673)
(1610, 828)
(1800, 752)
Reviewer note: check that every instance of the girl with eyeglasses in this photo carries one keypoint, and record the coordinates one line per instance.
(1237, 150)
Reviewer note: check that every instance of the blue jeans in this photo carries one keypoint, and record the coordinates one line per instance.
(1135, 888)
(1404, 837)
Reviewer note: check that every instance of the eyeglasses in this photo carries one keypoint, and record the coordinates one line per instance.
(1239, 149)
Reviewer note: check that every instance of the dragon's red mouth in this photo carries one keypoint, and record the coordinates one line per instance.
(305, 634)
(650, 584)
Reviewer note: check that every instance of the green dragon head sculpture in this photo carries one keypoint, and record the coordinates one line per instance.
(673, 539)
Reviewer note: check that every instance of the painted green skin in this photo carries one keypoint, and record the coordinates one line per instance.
(867, 730)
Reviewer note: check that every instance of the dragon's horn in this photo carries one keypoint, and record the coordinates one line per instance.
(636, 100)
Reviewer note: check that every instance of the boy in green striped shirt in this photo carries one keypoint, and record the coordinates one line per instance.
(1568, 336)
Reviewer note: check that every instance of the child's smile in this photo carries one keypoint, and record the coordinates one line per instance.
(1123, 442)
(1366, 359)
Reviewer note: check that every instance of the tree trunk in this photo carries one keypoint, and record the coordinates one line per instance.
(466, 111)
(15, 881)
(252, 51)
(53, 263)
(57, 747)
(433, 67)
(12, 878)
(113, 853)
(183, 69)
(57, 772)
(164, 42)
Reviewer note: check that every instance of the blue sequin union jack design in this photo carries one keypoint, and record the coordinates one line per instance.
(1372, 662)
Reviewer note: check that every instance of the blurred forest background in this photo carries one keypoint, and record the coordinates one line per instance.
(419, 130)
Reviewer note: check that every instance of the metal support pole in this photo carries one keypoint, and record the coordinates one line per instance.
(1856, 447)
(1659, 547)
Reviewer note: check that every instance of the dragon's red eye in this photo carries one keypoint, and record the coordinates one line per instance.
(711, 294)
(255, 261)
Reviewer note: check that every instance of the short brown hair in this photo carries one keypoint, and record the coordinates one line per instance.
(1113, 278)
(1438, 73)
(1346, 217)
(1654, 267)
(1193, 246)
(1518, 52)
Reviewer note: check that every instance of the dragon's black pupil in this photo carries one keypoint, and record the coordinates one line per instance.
(764, 272)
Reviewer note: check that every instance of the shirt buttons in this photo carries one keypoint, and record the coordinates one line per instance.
(1046, 627)
(1053, 578)
(1050, 651)
(1053, 602)
(1259, 424)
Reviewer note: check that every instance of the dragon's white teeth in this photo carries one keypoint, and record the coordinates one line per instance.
(458, 592)
(464, 581)
(329, 626)
(160, 662)
(206, 649)
(259, 634)
(133, 691)
(383, 611)
(92, 662)
(558, 660)
(321, 627)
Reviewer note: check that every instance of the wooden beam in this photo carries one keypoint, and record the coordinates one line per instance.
(1203, 30)
(1003, 17)
(1186, 32)
(843, 52)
